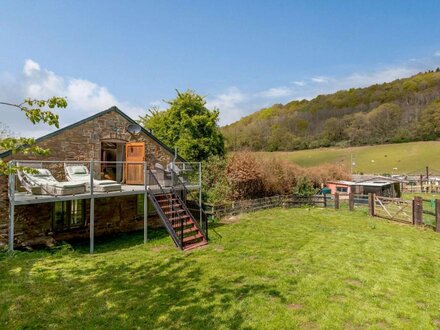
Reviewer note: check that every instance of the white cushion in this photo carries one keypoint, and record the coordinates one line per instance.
(42, 172)
(78, 169)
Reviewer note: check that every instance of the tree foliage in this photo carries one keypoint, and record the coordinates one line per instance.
(188, 126)
(36, 111)
(399, 111)
(429, 127)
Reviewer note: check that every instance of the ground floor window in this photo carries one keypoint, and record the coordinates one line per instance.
(140, 206)
(69, 214)
(342, 189)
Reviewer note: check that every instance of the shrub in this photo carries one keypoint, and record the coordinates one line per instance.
(304, 187)
(279, 176)
(323, 173)
(244, 176)
(215, 182)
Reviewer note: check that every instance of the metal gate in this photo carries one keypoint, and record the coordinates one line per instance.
(393, 209)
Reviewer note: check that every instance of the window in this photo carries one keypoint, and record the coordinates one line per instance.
(342, 189)
(140, 206)
(68, 214)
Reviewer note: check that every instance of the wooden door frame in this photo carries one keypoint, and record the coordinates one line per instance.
(126, 167)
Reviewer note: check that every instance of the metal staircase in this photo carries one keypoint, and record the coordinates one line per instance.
(180, 223)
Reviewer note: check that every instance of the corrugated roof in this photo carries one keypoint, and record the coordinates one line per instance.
(343, 182)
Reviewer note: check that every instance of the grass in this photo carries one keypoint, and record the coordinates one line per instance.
(378, 159)
(273, 269)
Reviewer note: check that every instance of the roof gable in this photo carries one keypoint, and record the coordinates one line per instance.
(99, 114)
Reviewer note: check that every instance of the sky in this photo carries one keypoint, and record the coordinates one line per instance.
(241, 55)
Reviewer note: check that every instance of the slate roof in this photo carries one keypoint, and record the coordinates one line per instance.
(99, 114)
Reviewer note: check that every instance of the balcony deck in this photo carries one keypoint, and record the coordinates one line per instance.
(25, 198)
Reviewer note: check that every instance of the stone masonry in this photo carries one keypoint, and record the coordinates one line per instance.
(81, 142)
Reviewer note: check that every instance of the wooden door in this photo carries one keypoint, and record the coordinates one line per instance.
(134, 152)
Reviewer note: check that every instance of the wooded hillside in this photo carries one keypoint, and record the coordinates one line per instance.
(400, 111)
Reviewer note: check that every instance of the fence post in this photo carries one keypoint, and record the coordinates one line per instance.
(371, 204)
(437, 215)
(350, 201)
(336, 201)
(325, 200)
(417, 210)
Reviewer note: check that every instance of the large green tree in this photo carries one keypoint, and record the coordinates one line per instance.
(429, 124)
(36, 111)
(187, 125)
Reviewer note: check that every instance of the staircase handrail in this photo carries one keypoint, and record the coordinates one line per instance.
(189, 192)
(169, 227)
(190, 214)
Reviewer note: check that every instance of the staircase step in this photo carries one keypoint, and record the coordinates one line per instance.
(173, 212)
(169, 206)
(178, 217)
(192, 238)
(177, 225)
(192, 229)
(183, 216)
(163, 200)
(195, 245)
(164, 196)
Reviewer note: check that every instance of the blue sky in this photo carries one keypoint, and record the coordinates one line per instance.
(243, 55)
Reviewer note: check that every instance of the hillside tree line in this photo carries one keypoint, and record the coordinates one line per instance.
(401, 111)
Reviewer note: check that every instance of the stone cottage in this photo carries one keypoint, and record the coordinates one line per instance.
(102, 137)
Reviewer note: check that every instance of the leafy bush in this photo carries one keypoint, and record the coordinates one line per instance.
(304, 187)
(215, 183)
(243, 176)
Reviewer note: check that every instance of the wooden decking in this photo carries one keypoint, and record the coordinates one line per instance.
(25, 198)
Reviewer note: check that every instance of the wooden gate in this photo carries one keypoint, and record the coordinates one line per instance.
(393, 209)
(134, 152)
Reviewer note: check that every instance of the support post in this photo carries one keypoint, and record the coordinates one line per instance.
(146, 203)
(350, 201)
(437, 215)
(418, 210)
(371, 204)
(11, 192)
(336, 201)
(325, 200)
(92, 209)
(200, 196)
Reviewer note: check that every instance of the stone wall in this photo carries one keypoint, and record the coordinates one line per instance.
(81, 142)
(33, 223)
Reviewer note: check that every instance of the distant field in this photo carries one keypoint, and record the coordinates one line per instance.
(386, 158)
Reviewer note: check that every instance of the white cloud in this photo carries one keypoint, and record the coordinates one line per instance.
(232, 105)
(381, 76)
(30, 66)
(320, 79)
(84, 97)
(299, 83)
(276, 92)
(437, 53)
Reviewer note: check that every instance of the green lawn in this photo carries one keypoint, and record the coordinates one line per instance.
(273, 269)
(406, 157)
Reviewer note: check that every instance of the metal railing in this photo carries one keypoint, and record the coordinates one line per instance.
(202, 221)
(178, 239)
(24, 189)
